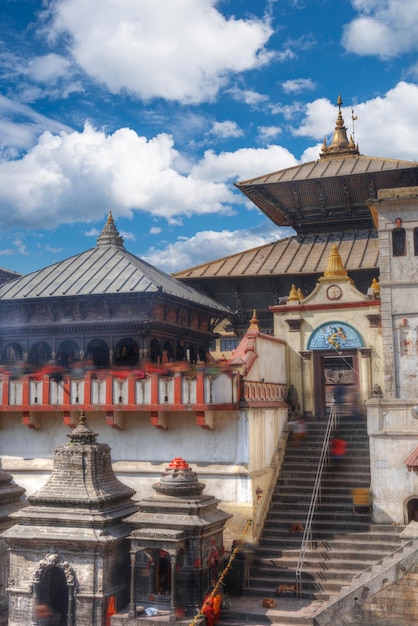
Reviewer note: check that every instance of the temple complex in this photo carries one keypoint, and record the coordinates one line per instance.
(322, 322)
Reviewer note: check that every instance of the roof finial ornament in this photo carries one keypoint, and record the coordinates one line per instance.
(340, 145)
(110, 235)
(335, 267)
(254, 321)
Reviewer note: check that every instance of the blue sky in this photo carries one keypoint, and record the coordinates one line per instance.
(153, 108)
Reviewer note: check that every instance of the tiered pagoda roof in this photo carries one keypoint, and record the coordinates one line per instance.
(330, 193)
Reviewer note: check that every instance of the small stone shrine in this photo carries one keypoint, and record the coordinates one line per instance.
(69, 547)
(176, 544)
(10, 502)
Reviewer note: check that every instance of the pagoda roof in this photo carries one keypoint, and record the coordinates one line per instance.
(307, 254)
(331, 192)
(107, 269)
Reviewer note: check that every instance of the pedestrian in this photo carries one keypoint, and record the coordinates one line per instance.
(299, 431)
(338, 450)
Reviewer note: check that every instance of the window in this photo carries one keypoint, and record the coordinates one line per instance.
(398, 242)
(228, 343)
(416, 241)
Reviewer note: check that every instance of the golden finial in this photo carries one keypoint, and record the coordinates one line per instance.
(300, 294)
(340, 145)
(335, 267)
(110, 217)
(376, 287)
(254, 321)
(293, 295)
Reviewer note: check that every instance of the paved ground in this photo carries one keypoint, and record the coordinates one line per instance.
(249, 610)
(241, 611)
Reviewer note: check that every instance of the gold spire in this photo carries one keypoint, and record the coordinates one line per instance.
(340, 145)
(376, 287)
(335, 267)
(300, 294)
(254, 322)
(293, 295)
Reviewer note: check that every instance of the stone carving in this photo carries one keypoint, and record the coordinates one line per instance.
(376, 392)
(54, 560)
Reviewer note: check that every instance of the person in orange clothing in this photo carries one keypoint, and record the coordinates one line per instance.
(212, 608)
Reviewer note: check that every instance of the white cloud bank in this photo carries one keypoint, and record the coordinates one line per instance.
(208, 245)
(78, 176)
(384, 28)
(387, 126)
(180, 50)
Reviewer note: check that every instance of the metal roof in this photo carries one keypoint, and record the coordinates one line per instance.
(104, 270)
(329, 168)
(307, 254)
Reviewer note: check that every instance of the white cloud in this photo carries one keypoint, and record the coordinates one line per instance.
(248, 96)
(243, 163)
(74, 176)
(21, 246)
(52, 249)
(23, 133)
(209, 245)
(395, 135)
(155, 230)
(384, 28)
(297, 85)
(226, 129)
(179, 50)
(49, 67)
(267, 133)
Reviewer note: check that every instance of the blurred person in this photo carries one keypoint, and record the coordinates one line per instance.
(299, 431)
(338, 450)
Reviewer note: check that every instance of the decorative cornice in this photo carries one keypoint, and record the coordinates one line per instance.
(295, 325)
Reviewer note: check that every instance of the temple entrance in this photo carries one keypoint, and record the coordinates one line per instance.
(53, 591)
(336, 380)
(153, 575)
(412, 510)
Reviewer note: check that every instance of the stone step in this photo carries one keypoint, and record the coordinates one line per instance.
(335, 556)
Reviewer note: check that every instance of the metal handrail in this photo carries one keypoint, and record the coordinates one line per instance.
(316, 492)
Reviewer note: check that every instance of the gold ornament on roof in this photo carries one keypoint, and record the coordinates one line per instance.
(254, 321)
(300, 294)
(375, 286)
(335, 267)
(340, 144)
(293, 295)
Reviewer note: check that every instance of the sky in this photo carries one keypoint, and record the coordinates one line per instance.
(152, 109)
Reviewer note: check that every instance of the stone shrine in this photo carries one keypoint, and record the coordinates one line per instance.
(176, 544)
(69, 547)
(11, 500)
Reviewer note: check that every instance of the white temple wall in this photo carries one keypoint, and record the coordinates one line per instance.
(393, 434)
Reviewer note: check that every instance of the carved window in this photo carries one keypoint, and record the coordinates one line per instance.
(398, 242)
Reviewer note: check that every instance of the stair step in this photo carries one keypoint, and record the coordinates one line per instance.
(345, 544)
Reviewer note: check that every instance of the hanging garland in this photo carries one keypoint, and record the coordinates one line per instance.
(209, 599)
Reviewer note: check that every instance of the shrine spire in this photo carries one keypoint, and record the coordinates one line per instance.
(110, 235)
(340, 144)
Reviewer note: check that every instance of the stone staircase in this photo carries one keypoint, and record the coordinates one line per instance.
(345, 542)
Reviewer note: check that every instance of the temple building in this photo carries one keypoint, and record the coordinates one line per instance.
(105, 307)
(325, 202)
(325, 317)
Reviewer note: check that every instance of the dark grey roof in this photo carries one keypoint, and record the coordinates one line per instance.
(104, 270)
